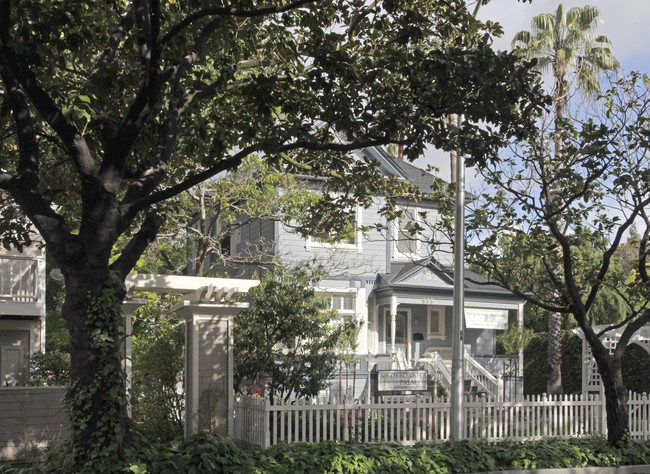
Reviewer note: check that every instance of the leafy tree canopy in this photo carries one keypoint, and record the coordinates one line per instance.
(109, 109)
(562, 218)
(289, 336)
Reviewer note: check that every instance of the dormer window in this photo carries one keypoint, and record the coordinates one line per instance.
(406, 238)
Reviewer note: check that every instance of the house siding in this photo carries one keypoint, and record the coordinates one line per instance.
(22, 311)
(31, 419)
(368, 258)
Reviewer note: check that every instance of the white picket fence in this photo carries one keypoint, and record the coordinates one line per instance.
(411, 419)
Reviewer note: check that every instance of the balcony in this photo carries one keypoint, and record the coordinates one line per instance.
(22, 284)
(18, 279)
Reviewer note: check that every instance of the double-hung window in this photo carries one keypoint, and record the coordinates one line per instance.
(405, 235)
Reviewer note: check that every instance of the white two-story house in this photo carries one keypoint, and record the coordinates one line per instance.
(396, 287)
(22, 311)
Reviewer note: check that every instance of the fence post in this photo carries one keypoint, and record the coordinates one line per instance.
(267, 422)
(603, 411)
(645, 418)
(346, 425)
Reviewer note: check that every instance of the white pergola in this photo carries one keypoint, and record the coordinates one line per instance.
(208, 307)
(591, 381)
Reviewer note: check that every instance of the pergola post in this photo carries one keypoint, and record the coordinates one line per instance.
(128, 307)
(209, 361)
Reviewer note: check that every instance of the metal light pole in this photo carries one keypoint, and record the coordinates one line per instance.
(458, 323)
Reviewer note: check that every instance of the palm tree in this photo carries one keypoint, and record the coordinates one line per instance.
(566, 45)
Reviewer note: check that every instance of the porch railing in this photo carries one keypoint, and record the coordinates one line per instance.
(18, 278)
(412, 419)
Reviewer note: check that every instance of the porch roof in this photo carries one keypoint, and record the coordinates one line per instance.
(429, 282)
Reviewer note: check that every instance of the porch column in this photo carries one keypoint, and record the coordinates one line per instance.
(209, 358)
(393, 322)
(520, 321)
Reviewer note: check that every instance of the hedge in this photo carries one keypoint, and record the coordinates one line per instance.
(211, 453)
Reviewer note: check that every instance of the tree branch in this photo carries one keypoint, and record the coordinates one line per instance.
(113, 43)
(15, 71)
(230, 12)
(136, 246)
(28, 160)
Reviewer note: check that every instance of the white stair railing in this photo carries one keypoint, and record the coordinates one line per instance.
(437, 368)
(400, 359)
(481, 376)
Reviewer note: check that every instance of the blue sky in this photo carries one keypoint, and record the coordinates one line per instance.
(625, 22)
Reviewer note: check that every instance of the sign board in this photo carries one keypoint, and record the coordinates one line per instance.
(400, 380)
(486, 318)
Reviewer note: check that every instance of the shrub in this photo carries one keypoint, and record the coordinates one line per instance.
(209, 452)
(50, 368)
(535, 364)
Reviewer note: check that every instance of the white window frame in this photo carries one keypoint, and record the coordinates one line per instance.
(329, 293)
(413, 214)
(440, 334)
(312, 243)
(344, 312)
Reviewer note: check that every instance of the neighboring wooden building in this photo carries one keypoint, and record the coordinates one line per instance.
(22, 312)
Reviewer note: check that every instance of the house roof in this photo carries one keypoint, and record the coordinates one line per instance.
(402, 169)
(431, 273)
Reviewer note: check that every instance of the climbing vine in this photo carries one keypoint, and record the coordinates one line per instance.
(99, 398)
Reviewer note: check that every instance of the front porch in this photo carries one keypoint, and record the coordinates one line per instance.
(410, 315)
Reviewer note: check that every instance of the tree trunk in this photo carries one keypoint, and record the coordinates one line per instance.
(611, 375)
(554, 354)
(96, 399)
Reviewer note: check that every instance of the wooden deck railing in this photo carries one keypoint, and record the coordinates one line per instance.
(18, 278)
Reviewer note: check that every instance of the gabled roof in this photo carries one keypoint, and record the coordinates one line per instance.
(402, 169)
(429, 273)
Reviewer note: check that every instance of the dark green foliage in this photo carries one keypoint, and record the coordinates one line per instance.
(158, 358)
(202, 452)
(51, 368)
(535, 364)
(212, 453)
(289, 335)
(57, 336)
(636, 366)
